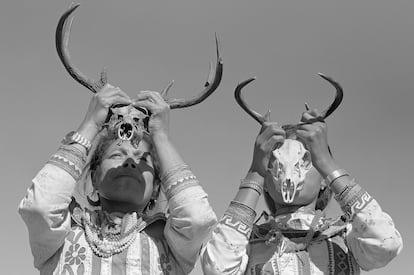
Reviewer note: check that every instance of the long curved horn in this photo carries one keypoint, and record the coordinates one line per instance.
(261, 119)
(62, 40)
(211, 85)
(240, 99)
(338, 97)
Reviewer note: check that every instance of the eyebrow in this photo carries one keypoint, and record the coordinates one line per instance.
(124, 151)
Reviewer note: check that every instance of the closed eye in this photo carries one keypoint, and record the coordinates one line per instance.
(115, 155)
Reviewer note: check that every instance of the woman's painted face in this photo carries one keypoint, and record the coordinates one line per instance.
(126, 173)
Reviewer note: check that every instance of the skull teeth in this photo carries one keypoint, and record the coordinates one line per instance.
(288, 189)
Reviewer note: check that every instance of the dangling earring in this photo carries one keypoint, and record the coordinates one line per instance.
(152, 203)
(94, 198)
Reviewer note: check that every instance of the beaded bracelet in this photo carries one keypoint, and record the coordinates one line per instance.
(167, 175)
(242, 212)
(70, 159)
(180, 184)
(341, 195)
(252, 185)
(334, 176)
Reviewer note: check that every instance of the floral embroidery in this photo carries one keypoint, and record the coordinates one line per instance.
(75, 255)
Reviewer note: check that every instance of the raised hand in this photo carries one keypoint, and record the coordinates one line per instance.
(314, 136)
(270, 137)
(159, 109)
(98, 109)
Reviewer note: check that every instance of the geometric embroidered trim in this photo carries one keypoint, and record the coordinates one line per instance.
(236, 224)
(66, 165)
(241, 212)
(180, 184)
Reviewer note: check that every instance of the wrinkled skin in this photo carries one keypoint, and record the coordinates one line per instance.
(289, 165)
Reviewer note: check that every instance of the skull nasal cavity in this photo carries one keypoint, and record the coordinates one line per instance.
(129, 163)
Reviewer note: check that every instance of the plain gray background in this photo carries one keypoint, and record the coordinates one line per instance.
(367, 46)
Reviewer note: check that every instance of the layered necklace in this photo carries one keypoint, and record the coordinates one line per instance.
(107, 237)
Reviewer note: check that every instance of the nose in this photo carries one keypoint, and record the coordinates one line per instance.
(129, 163)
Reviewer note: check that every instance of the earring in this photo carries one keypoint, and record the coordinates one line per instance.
(152, 203)
(94, 198)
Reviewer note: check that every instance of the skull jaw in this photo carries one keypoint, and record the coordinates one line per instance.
(289, 168)
(288, 189)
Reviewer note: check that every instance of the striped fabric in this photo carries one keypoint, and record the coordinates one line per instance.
(146, 255)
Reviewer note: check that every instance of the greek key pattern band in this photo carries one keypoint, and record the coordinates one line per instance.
(240, 217)
(353, 199)
(237, 225)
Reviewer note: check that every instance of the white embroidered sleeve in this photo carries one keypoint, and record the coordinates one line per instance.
(372, 236)
(44, 209)
(226, 251)
(189, 223)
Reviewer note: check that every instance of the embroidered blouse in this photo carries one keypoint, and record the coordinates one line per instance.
(59, 244)
(364, 238)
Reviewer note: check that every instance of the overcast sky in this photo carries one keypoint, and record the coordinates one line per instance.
(367, 46)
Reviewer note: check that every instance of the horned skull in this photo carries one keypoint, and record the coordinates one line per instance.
(127, 123)
(289, 165)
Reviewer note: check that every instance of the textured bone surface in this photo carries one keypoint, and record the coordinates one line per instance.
(127, 124)
(289, 167)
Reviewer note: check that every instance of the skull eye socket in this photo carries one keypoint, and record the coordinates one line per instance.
(125, 131)
(120, 117)
(307, 160)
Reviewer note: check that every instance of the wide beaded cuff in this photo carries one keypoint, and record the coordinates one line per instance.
(70, 159)
(177, 179)
(240, 217)
(352, 199)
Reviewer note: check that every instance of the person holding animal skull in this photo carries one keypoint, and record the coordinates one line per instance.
(293, 167)
(117, 198)
(116, 223)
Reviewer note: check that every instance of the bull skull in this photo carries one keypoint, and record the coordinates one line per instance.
(289, 163)
(128, 126)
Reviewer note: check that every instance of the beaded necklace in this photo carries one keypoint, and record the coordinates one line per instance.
(107, 244)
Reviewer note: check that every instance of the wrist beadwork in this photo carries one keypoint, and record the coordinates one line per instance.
(334, 176)
(75, 137)
(251, 185)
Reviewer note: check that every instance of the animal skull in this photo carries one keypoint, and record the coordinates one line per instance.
(289, 166)
(127, 123)
(289, 163)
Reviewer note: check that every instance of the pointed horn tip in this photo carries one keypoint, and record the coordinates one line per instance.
(74, 6)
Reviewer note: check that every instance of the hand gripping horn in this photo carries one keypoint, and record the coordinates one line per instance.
(291, 161)
(261, 119)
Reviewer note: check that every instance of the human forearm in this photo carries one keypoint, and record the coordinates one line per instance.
(373, 238)
(226, 251)
(250, 196)
(189, 223)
